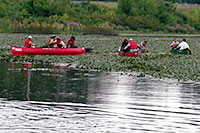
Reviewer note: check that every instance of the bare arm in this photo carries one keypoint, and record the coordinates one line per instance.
(31, 43)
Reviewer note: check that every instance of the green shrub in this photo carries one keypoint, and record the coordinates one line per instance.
(5, 25)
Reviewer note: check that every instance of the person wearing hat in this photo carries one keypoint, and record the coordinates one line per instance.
(71, 42)
(60, 43)
(28, 43)
(52, 41)
(131, 47)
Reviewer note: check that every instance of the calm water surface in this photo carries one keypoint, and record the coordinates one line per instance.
(54, 98)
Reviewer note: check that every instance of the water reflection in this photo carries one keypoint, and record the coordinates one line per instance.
(27, 73)
(69, 100)
(42, 83)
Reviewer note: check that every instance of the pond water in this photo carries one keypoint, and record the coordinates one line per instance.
(54, 98)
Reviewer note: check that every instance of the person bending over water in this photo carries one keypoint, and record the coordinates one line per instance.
(143, 47)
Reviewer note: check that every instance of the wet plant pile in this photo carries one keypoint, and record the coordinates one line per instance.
(159, 62)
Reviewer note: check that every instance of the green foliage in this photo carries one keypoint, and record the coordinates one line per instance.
(185, 1)
(147, 13)
(5, 25)
(191, 14)
(44, 8)
(142, 15)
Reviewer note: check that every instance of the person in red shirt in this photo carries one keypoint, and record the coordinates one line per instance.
(71, 42)
(60, 43)
(131, 47)
(28, 43)
(52, 41)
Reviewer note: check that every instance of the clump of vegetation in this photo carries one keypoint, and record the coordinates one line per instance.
(37, 28)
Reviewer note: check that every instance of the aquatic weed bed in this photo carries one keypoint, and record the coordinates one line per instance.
(158, 63)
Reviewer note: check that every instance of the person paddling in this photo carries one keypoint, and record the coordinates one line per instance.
(28, 43)
(71, 42)
(131, 47)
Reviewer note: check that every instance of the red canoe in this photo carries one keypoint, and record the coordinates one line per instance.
(130, 54)
(20, 51)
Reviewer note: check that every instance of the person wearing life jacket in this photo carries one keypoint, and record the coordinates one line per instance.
(60, 43)
(28, 43)
(71, 42)
(131, 47)
(52, 41)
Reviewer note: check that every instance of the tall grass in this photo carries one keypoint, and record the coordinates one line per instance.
(36, 27)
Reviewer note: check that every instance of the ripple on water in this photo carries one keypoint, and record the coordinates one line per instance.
(60, 117)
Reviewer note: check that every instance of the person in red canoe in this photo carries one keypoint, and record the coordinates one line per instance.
(124, 44)
(71, 42)
(131, 47)
(52, 41)
(28, 43)
(60, 43)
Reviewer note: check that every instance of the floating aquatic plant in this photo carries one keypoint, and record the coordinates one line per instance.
(104, 57)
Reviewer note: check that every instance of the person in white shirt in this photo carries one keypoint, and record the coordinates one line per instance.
(184, 46)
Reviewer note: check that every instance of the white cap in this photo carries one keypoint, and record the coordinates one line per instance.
(53, 36)
(130, 39)
(30, 37)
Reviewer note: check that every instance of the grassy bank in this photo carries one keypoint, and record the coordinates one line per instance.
(158, 63)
